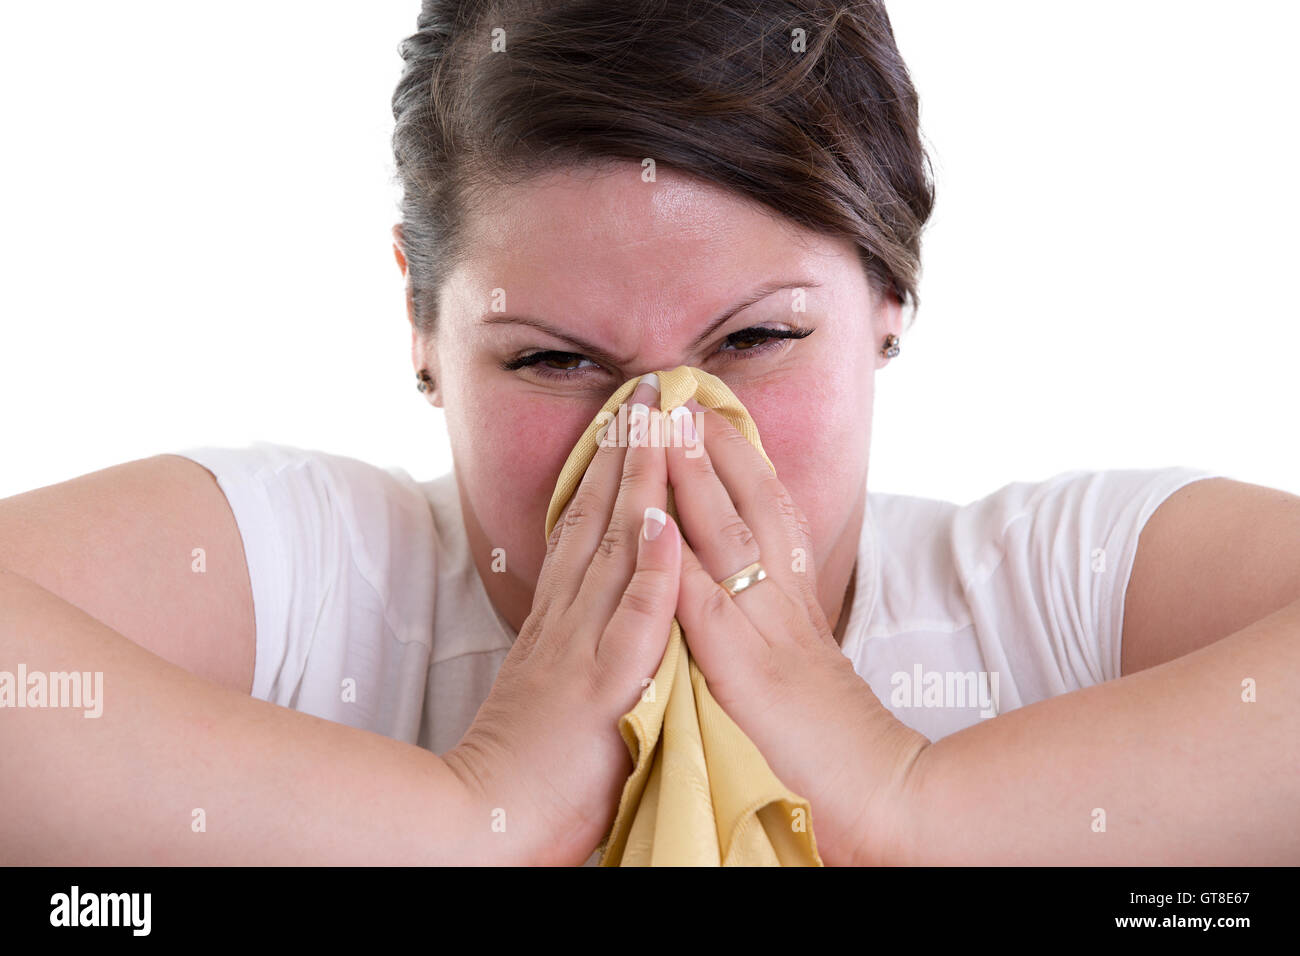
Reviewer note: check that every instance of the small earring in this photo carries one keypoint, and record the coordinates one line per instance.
(890, 348)
(423, 381)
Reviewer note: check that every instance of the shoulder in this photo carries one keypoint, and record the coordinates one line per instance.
(335, 482)
(1033, 569)
(327, 510)
(342, 558)
(1071, 512)
(368, 605)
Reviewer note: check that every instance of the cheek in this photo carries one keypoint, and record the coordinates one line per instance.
(817, 434)
(510, 453)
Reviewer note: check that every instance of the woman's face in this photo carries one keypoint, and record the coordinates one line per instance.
(616, 277)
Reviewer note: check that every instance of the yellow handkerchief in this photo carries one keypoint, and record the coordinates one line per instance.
(700, 793)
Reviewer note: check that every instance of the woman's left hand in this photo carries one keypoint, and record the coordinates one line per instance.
(768, 653)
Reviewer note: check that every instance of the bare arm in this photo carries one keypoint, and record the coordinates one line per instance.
(1186, 771)
(97, 576)
(120, 544)
(275, 786)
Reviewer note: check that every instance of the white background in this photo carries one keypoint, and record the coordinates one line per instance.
(196, 202)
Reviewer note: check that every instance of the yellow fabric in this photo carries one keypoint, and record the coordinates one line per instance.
(700, 793)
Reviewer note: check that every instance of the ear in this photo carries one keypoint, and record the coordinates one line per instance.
(399, 246)
(887, 319)
(399, 253)
(424, 355)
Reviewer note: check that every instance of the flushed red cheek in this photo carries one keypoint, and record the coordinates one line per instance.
(519, 451)
(818, 445)
(790, 426)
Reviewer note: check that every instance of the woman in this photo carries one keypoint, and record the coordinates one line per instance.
(593, 195)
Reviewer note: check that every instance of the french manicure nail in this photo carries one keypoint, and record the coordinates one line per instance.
(681, 414)
(654, 523)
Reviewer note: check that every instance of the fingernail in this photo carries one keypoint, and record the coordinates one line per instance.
(654, 522)
(683, 415)
(638, 426)
(651, 379)
(646, 391)
(603, 432)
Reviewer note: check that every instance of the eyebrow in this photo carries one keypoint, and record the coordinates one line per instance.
(596, 352)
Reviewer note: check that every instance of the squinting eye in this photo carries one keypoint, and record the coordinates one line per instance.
(567, 360)
(745, 344)
(753, 339)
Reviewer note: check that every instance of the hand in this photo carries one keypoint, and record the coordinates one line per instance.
(768, 653)
(545, 745)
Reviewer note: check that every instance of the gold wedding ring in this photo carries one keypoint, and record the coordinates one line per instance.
(743, 578)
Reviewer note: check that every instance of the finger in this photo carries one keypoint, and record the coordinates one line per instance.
(710, 523)
(586, 516)
(644, 485)
(634, 642)
(731, 653)
(764, 504)
(717, 533)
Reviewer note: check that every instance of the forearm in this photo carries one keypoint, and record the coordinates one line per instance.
(169, 749)
(1185, 771)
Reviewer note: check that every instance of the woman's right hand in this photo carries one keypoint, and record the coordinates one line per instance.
(544, 754)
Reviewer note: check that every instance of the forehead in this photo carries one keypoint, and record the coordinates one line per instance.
(605, 233)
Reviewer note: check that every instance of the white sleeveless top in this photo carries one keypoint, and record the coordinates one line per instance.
(370, 611)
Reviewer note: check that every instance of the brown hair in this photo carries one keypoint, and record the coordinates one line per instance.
(827, 137)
